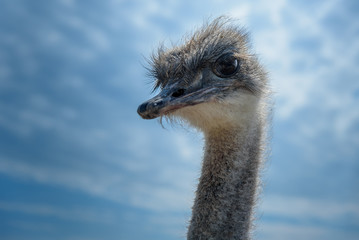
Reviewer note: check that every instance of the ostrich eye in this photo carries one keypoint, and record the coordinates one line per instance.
(226, 65)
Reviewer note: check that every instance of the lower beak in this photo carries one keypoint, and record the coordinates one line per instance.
(170, 100)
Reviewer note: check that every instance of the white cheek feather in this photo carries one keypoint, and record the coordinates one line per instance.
(238, 109)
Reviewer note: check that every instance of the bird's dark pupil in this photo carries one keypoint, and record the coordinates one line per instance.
(226, 65)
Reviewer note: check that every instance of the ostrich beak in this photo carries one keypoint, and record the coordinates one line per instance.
(172, 98)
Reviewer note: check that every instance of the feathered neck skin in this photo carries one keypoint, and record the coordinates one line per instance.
(226, 191)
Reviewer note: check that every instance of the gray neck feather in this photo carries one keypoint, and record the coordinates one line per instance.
(226, 191)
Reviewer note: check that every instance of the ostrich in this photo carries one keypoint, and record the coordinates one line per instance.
(214, 83)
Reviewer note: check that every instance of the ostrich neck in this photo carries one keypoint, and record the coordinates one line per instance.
(226, 191)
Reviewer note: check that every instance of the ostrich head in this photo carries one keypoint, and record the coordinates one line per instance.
(211, 81)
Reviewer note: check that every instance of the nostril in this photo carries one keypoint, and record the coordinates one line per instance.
(158, 103)
(142, 108)
(178, 93)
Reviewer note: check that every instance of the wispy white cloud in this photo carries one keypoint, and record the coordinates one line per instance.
(282, 231)
(169, 185)
(302, 209)
(68, 213)
(295, 90)
(303, 217)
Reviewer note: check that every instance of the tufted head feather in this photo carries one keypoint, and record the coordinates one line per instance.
(202, 48)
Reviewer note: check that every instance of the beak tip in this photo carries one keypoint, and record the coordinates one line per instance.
(142, 108)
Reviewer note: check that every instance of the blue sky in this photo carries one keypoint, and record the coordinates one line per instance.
(77, 162)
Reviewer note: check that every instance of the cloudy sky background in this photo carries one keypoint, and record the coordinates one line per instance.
(76, 162)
